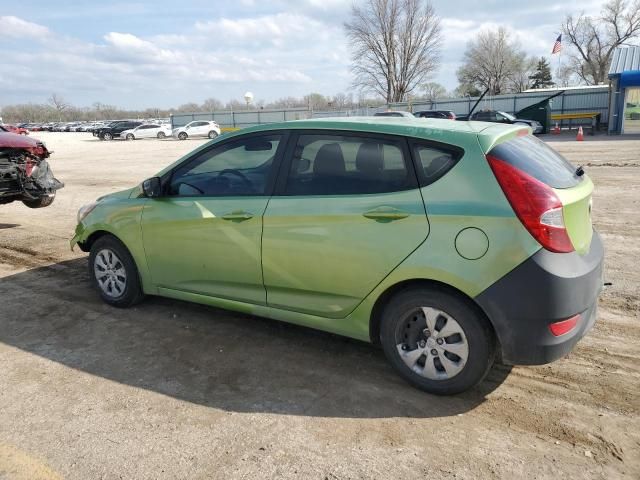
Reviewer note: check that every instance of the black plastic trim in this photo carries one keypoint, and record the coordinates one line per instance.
(546, 288)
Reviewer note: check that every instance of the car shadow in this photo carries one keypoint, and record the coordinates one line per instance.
(4, 226)
(208, 356)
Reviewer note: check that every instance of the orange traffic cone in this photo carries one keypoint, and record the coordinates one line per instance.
(580, 136)
(556, 129)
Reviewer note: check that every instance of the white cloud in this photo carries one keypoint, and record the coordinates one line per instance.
(276, 30)
(11, 26)
(175, 68)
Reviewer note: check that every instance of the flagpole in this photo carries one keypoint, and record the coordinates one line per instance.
(559, 63)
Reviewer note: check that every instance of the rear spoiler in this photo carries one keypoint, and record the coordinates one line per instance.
(492, 136)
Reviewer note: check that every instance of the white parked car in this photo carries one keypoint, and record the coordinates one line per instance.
(150, 130)
(197, 128)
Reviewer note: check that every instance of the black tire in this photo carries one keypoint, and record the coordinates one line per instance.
(397, 327)
(39, 202)
(182, 136)
(161, 135)
(132, 292)
(130, 136)
(212, 134)
(107, 136)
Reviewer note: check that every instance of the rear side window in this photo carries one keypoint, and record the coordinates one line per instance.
(345, 165)
(537, 159)
(433, 161)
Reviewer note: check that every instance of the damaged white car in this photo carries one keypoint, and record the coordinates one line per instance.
(25, 174)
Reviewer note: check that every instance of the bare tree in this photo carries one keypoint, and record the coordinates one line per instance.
(189, 107)
(433, 91)
(594, 39)
(565, 76)
(211, 105)
(395, 46)
(59, 103)
(492, 60)
(521, 80)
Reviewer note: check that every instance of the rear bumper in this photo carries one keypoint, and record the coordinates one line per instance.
(546, 288)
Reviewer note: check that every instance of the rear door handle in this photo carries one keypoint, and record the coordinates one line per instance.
(385, 213)
(238, 216)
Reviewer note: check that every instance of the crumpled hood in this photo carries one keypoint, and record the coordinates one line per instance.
(31, 145)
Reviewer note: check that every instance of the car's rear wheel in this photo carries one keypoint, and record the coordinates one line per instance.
(130, 136)
(182, 135)
(212, 134)
(161, 135)
(40, 202)
(436, 340)
(114, 273)
(107, 136)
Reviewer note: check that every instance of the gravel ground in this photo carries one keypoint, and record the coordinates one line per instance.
(175, 390)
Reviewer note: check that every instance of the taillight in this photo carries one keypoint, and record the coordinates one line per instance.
(536, 205)
(564, 326)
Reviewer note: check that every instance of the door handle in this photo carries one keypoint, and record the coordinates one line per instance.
(385, 213)
(238, 216)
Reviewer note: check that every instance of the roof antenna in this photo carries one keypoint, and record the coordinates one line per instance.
(477, 102)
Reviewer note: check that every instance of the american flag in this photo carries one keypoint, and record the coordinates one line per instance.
(557, 46)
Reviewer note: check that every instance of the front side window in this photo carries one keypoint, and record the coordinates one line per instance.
(346, 165)
(241, 167)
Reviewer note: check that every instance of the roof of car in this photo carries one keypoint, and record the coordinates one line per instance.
(393, 125)
(432, 129)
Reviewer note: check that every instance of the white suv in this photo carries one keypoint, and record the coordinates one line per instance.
(197, 128)
(150, 130)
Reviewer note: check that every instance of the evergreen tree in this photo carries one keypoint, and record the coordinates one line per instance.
(542, 76)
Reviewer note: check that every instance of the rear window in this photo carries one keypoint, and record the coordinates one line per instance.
(536, 158)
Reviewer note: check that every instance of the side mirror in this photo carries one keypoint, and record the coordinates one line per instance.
(152, 187)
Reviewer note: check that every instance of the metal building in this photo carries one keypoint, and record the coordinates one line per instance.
(624, 103)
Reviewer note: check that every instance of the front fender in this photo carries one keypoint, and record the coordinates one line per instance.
(120, 218)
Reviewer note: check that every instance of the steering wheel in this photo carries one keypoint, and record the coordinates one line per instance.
(237, 173)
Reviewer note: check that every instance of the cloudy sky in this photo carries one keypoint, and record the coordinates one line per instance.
(139, 54)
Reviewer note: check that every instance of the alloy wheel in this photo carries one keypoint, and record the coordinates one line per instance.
(432, 344)
(110, 273)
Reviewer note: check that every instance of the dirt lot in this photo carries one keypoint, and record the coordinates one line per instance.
(174, 390)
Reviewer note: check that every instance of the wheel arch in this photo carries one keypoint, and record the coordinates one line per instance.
(385, 297)
(94, 236)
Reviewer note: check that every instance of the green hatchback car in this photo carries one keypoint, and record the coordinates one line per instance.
(447, 243)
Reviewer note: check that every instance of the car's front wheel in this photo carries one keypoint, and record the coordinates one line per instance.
(436, 340)
(130, 136)
(161, 135)
(182, 135)
(114, 273)
(107, 136)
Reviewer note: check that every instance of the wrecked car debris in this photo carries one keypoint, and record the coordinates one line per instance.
(25, 174)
